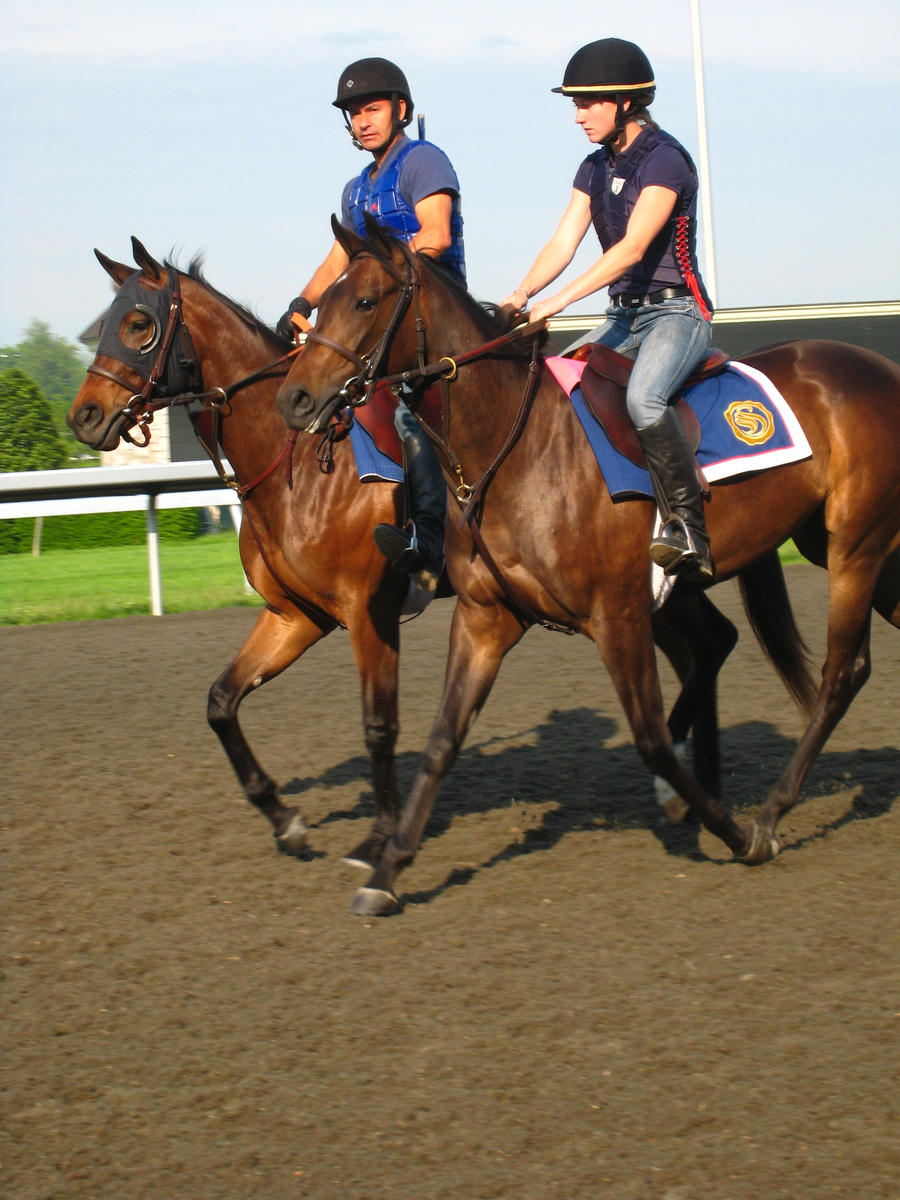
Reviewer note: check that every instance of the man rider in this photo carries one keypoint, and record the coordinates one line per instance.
(411, 188)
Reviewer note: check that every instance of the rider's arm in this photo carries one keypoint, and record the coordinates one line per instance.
(433, 214)
(336, 261)
(651, 212)
(559, 251)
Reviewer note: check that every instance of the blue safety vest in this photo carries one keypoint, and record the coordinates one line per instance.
(615, 187)
(381, 198)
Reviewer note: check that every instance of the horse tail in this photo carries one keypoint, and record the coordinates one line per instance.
(768, 608)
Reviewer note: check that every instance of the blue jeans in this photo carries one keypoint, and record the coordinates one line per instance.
(667, 340)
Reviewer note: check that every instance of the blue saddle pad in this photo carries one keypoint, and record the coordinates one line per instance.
(746, 424)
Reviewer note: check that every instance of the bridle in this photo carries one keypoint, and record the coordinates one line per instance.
(358, 387)
(142, 405)
(415, 382)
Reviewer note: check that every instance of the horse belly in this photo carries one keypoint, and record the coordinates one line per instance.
(752, 515)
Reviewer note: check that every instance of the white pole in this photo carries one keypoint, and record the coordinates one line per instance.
(709, 254)
(153, 554)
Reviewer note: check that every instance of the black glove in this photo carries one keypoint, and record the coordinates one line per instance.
(285, 328)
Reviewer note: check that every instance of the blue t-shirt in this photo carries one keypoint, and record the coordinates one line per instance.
(427, 170)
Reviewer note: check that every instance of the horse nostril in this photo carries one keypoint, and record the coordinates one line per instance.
(89, 416)
(291, 401)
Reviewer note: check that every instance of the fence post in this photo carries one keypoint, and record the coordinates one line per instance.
(156, 607)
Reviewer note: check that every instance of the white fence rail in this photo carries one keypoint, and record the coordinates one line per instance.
(119, 489)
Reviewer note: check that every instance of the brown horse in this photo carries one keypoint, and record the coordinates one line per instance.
(555, 548)
(306, 536)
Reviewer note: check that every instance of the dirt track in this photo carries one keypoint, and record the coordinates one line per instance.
(574, 1004)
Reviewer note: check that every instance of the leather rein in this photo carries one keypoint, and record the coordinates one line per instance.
(444, 371)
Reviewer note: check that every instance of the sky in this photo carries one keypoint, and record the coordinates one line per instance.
(206, 126)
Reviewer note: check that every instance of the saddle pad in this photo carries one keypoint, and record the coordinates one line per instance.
(371, 463)
(747, 426)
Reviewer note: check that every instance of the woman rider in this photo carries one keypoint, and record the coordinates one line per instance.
(639, 190)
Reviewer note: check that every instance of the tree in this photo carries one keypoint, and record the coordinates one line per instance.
(29, 440)
(58, 368)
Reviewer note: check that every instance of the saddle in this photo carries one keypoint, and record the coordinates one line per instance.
(377, 417)
(603, 385)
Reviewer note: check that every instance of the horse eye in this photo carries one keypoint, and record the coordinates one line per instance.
(139, 331)
(365, 304)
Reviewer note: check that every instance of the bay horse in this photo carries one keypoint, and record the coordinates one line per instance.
(555, 548)
(306, 536)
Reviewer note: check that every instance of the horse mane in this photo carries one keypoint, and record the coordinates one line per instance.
(194, 271)
(490, 320)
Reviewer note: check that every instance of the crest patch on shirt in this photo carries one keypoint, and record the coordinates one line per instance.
(617, 184)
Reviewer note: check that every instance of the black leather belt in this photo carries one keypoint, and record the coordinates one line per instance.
(666, 293)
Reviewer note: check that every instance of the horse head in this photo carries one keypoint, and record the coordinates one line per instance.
(144, 353)
(361, 322)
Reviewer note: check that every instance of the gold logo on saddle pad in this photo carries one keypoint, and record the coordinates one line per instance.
(750, 421)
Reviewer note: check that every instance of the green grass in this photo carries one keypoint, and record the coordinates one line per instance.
(83, 585)
(88, 585)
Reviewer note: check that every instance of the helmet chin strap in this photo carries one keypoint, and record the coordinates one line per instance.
(623, 116)
(610, 142)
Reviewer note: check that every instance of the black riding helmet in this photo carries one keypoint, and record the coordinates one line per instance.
(374, 77)
(611, 67)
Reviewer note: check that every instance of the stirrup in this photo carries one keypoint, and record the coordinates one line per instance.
(401, 549)
(679, 552)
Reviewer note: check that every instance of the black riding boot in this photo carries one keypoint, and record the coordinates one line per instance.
(682, 545)
(420, 550)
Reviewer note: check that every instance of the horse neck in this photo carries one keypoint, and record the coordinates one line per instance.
(229, 350)
(485, 398)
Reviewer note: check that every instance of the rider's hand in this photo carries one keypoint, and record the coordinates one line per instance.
(285, 327)
(517, 300)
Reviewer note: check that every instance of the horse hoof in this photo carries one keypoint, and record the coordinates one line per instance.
(366, 855)
(673, 805)
(763, 847)
(357, 860)
(293, 838)
(374, 902)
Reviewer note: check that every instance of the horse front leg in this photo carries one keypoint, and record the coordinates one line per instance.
(376, 650)
(479, 639)
(277, 640)
(626, 645)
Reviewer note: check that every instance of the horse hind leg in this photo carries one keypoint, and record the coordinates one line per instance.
(276, 641)
(627, 650)
(886, 600)
(697, 639)
(847, 667)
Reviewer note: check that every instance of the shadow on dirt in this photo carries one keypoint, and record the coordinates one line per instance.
(598, 787)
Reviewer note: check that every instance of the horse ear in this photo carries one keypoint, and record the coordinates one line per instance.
(349, 241)
(378, 237)
(151, 268)
(117, 271)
